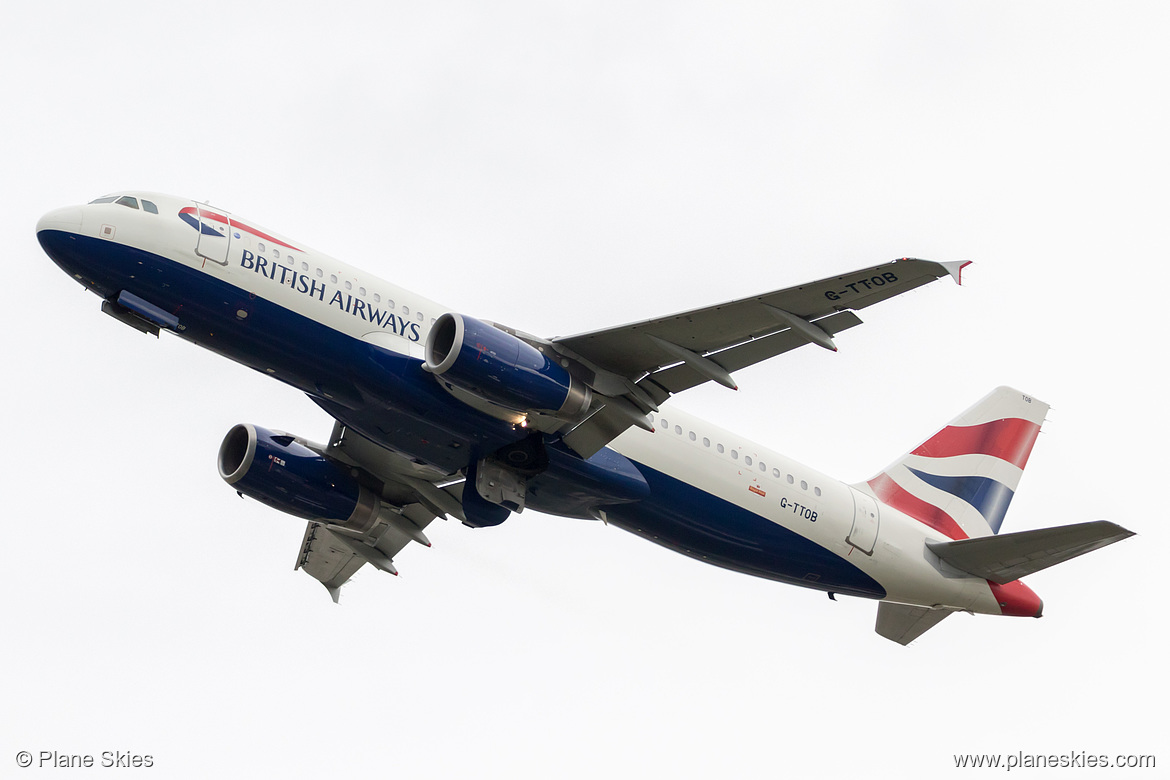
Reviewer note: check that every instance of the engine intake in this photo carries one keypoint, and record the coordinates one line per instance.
(276, 470)
(490, 363)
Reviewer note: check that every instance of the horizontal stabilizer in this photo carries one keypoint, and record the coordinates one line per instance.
(904, 624)
(1007, 557)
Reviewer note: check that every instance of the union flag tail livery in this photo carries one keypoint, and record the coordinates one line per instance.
(961, 480)
(437, 414)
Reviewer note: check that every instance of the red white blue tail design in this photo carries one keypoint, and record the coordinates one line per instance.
(961, 480)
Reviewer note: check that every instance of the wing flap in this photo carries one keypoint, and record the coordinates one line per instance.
(1008, 557)
(325, 558)
(681, 377)
(410, 500)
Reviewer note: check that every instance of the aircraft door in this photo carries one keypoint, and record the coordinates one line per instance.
(866, 518)
(214, 234)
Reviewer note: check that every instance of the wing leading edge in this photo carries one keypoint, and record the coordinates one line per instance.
(637, 366)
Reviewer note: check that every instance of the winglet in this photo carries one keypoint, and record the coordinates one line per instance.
(955, 269)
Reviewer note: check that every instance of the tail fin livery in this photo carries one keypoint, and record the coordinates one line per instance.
(961, 480)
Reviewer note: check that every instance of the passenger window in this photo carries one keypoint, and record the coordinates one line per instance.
(762, 466)
(706, 442)
(691, 435)
(776, 473)
(149, 207)
(678, 430)
(803, 485)
(747, 459)
(406, 310)
(665, 424)
(790, 479)
(817, 491)
(720, 448)
(735, 454)
(128, 202)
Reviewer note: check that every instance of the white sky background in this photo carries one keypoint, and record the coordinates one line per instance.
(562, 167)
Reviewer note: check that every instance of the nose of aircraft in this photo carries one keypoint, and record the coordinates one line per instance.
(67, 219)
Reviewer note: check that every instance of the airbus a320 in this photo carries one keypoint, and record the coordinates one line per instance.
(440, 414)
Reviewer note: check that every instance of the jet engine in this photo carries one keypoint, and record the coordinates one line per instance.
(495, 365)
(277, 470)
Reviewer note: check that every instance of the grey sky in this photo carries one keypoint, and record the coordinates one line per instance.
(560, 167)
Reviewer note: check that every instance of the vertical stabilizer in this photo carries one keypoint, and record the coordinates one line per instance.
(961, 480)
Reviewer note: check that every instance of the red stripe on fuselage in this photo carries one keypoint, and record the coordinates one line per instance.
(892, 494)
(1010, 439)
(237, 224)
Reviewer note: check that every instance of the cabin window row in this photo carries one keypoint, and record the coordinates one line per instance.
(290, 260)
(734, 454)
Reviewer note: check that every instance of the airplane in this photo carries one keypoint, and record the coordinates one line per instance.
(438, 414)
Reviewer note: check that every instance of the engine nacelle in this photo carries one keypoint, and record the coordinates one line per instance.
(492, 364)
(276, 470)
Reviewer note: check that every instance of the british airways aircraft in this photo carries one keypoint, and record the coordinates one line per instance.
(440, 414)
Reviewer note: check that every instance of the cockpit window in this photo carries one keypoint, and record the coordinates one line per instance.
(127, 201)
(148, 206)
(107, 199)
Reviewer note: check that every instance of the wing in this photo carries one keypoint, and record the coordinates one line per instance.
(635, 367)
(410, 500)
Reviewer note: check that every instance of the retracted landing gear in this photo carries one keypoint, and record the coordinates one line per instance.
(498, 484)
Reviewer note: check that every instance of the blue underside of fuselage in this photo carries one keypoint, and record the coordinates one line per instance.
(388, 398)
(691, 521)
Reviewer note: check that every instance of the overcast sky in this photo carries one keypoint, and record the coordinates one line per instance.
(561, 167)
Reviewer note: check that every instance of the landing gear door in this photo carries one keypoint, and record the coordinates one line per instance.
(864, 533)
(214, 234)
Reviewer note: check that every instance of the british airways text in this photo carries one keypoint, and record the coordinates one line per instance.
(282, 274)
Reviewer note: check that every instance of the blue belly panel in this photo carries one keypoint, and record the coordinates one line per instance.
(690, 521)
